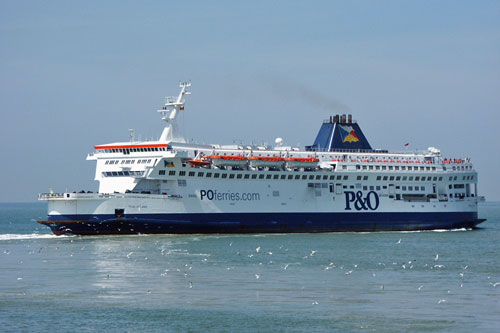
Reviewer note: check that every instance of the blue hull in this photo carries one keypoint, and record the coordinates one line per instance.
(257, 223)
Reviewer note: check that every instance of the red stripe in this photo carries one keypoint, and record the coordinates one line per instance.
(131, 146)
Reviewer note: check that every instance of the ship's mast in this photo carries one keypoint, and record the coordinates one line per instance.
(169, 113)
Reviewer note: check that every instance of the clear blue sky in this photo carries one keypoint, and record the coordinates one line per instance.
(74, 74)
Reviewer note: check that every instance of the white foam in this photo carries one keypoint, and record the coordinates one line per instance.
(28, 236)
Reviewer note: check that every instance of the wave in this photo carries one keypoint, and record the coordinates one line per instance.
(28, 236)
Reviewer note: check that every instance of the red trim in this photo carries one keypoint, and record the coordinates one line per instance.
(132, 146)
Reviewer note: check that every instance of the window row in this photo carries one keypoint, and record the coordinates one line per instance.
(122, 173)
(133, 150)
(409, 178)
(111, 162)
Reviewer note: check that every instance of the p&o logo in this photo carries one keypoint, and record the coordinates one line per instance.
(368, 202)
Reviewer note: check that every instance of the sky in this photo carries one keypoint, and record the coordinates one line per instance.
(77, 74)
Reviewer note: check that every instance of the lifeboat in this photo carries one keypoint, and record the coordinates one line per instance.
(300, 162)
(266, 161)
(226, 160)
(199, 163)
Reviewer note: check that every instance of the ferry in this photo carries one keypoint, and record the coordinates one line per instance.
(337, 184)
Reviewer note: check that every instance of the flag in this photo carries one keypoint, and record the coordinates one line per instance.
(181, 108)
(169, 164)
(406, 144)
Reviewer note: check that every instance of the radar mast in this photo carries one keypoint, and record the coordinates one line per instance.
(169, 114)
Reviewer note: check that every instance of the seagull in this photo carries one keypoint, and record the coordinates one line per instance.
(231, 244)
(190, 284)
(257, 276)
(286, 266)
(270, 253)
(437, 257)
(441, 301)
(399, 241)
(419, 288)
(495, 284)
(313, 253)
(461, 274)
(349, 272)
(439, 266)
(465, 267)
(315, 303)
(382, 287)
(257, 249)
(129, 254)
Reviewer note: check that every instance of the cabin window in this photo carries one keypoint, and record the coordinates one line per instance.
(254, 176)
(311, 177)
(161, 172)
(379, 177)
(171, 173)
(290, 176)
(417, 178)
(182, 173)
(209, 174)
(385, 178)
(305, 176)
(358, 178)
(346, 177)
(246, 176)
(261, 176)
(231, 176)
(239, 176)
(200, 174)
(297, 176)
(191, 174)
(276, 176)
(268, 176)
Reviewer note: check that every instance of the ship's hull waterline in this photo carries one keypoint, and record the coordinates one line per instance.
(227, 223)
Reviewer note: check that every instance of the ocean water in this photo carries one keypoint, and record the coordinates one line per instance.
(347, 282)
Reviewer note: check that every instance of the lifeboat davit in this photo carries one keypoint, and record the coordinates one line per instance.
(225, 160)
(266, 161)
(301, 162)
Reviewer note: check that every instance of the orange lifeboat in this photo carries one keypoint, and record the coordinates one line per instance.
(301, 162)
(227, 160)
(199, 163)
(266, 161)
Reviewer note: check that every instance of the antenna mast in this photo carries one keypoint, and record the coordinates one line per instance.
(169, 113)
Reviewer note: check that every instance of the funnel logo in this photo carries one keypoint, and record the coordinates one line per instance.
(348, 134)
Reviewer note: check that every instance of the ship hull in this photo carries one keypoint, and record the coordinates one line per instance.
(223, 223)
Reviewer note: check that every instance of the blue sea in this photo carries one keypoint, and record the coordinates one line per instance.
(436, 281)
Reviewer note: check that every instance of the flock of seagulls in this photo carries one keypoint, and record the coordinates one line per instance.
(330, 265)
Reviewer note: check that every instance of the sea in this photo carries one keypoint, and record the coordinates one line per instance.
(429, 281)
